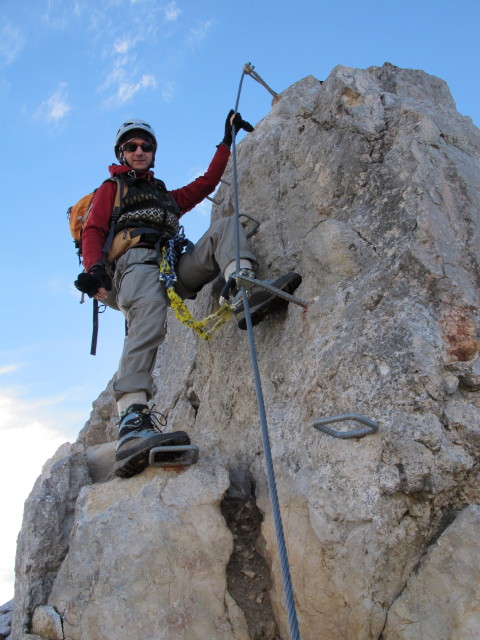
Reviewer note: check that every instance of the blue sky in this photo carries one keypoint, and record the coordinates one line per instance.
(70, 73)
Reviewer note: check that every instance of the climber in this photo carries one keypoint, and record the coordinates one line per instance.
(123, 273)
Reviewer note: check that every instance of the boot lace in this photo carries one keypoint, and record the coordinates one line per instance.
(153, 419)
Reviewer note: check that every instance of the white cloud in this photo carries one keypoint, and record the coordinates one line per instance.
(126, 90)
(122, 46)
(56, 106)
(124, 77)
(11, 43)
(168, 91)
(198, 34)
(171, 12)
(28, 438)
(8, 368)
(78, 8)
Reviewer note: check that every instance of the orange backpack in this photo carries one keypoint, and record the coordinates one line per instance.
(78, 213)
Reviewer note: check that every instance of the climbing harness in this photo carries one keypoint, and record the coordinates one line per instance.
(204, 328)
(370, 426)
(272, 487)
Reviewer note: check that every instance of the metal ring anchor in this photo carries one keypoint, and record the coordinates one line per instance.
(370, 426)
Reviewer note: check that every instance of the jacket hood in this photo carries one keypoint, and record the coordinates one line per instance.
(117, 169)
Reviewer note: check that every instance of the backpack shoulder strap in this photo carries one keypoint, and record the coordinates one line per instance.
(117, 210)
(160, 183)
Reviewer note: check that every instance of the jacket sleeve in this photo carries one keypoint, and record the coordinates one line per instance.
(97, 225)
(189, 196)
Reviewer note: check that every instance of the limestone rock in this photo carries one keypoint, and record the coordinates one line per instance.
(100, 461)
(46, 623)
(369, 186)
(148, 557)
(440, 601)
(6, 619)
(101, 426)
(44, 538)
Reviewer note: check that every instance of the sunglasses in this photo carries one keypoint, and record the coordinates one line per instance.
(132, 146)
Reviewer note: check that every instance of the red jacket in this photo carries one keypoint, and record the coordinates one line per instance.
(98, 222)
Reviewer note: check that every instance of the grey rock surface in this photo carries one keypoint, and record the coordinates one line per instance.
(47, 623)
(369, 186)
(43, 541)
(440, 601)
(6, 611)
(153, 551)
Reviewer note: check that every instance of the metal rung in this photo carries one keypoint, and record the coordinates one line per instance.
(190, 455)
(278, 292)
(254, 220)
(370, 426)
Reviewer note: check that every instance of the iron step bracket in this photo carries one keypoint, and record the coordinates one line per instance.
(256, 222)
(189, 451)
(370, 426)
(213, 199)
(244, 280)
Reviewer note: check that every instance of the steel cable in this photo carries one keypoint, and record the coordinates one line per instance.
(272, 485)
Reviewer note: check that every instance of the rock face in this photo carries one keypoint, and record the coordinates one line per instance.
(369, 186)
(445, 585)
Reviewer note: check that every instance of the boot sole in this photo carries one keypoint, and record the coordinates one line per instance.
(268, 306)
(137, 458)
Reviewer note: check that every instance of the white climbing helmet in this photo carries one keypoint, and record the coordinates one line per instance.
(129, 126)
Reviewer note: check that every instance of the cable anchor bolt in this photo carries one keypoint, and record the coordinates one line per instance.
(370, 427)
(249, 69)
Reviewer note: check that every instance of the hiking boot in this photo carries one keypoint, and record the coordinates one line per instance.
(262, 302)
(139, 433)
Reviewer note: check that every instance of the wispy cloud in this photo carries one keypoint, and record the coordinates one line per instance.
(168, 91)
(11, 43)
(8, 368)
(56, 107)
(172, 12)
(122, 46)
(124, 77)
(126, 90)
(197, 35)
(58, 14)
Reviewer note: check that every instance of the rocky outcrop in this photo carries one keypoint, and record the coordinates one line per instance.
(445, 585)
(6, 619)
(368, 185)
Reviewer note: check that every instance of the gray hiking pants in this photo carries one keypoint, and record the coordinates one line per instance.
(143, 300)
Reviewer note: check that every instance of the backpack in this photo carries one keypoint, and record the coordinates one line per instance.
(78, 213)
(77, 216)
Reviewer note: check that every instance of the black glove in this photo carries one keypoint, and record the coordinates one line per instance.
(239, 124)
(96, 278)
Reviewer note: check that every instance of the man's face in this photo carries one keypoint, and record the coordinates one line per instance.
(135, 154)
